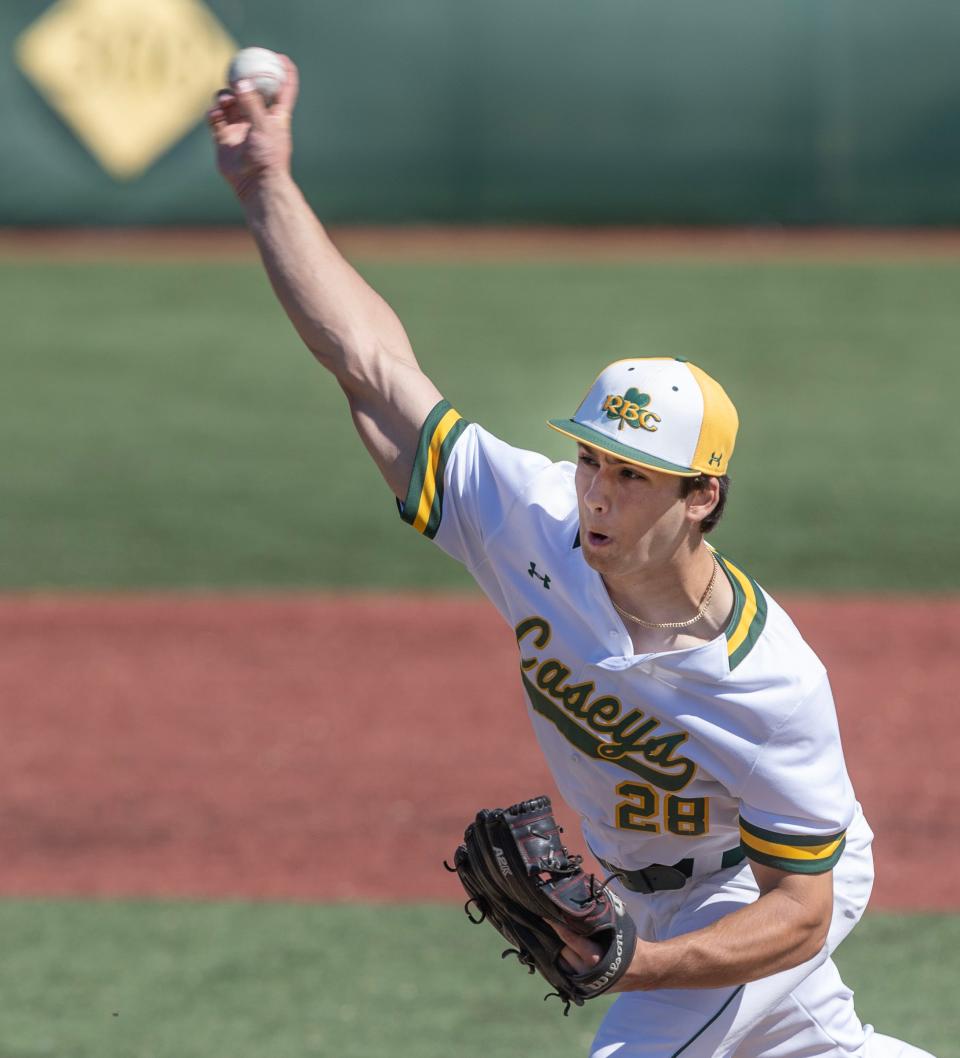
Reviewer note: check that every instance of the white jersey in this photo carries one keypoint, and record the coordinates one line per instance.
(688, 754)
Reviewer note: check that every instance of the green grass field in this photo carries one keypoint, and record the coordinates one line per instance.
(162, 426)
(180, 980)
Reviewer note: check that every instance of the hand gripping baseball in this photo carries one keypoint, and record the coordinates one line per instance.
(252, 140)
(520, 878)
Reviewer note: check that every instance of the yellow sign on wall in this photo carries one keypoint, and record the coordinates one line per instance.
(130, 78)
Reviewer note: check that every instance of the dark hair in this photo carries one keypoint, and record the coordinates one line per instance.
(689, 485)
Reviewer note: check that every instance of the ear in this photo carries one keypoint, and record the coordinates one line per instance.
(700, 502)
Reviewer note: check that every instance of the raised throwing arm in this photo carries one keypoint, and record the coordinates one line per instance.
(347, 326)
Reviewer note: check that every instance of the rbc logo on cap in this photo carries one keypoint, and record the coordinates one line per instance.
(631, 409)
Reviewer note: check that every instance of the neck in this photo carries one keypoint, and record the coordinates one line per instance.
(674, 592)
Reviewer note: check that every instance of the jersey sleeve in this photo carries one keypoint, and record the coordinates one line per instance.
(798, 801)
(464, 483)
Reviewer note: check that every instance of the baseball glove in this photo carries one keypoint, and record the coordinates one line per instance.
(520, 878)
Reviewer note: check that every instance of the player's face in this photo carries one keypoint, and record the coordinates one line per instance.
(632, 520)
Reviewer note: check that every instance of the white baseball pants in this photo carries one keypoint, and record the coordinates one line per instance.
(806, 1012)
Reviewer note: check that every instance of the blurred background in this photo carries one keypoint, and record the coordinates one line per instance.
(194, 545)
(617, 111)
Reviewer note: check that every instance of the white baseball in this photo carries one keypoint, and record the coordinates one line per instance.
(261, 66)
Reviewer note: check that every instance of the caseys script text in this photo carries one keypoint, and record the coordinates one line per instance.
(598, 724)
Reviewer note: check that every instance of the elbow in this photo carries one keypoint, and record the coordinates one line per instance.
(803, 943)
(822, 930)
(811, 943)
(351, 357)
(801, 907)
(811, 929)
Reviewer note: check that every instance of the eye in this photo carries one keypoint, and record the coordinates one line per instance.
(584, 457)
(632, 475)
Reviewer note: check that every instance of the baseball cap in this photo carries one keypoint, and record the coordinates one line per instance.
(658, 412)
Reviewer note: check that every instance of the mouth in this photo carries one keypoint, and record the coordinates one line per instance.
(597, 539)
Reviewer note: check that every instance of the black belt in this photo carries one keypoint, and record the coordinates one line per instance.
(658, 877)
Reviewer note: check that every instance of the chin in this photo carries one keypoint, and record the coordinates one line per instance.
(601, 561)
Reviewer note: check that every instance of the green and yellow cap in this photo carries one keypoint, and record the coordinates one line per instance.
(663, 413)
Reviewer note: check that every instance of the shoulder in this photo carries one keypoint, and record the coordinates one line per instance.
(485, 462)
(465, 476)
(765, 650)
(447, 435)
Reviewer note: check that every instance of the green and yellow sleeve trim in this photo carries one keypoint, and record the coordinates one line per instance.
(423, 506)
(749, 613)
(799, 853)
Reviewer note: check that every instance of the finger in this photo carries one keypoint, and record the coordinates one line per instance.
(220, 128)
(585, 951)
(249, 103)
(287, 96)
(227, 102)
(572, 962)
(568, 937)
(216, 118)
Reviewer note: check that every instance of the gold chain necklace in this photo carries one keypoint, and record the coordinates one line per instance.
(704, 603)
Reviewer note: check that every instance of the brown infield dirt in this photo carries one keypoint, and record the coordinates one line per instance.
(495, 244)
(333, 747)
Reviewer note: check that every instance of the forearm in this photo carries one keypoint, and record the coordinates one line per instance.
(775, 933)
(341, 319)
(349, 328)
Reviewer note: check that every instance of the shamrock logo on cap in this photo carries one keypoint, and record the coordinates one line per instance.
(631, 409)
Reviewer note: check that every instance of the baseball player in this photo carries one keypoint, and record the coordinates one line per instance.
(681, 713)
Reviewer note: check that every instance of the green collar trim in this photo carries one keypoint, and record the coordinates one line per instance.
(749, 612)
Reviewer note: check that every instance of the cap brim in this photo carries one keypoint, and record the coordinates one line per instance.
(589, 436)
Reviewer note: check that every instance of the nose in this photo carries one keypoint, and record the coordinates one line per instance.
(596, 495)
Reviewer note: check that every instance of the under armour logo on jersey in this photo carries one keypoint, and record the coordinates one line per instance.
(545, 577)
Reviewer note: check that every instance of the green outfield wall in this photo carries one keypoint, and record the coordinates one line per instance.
(596, 111)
